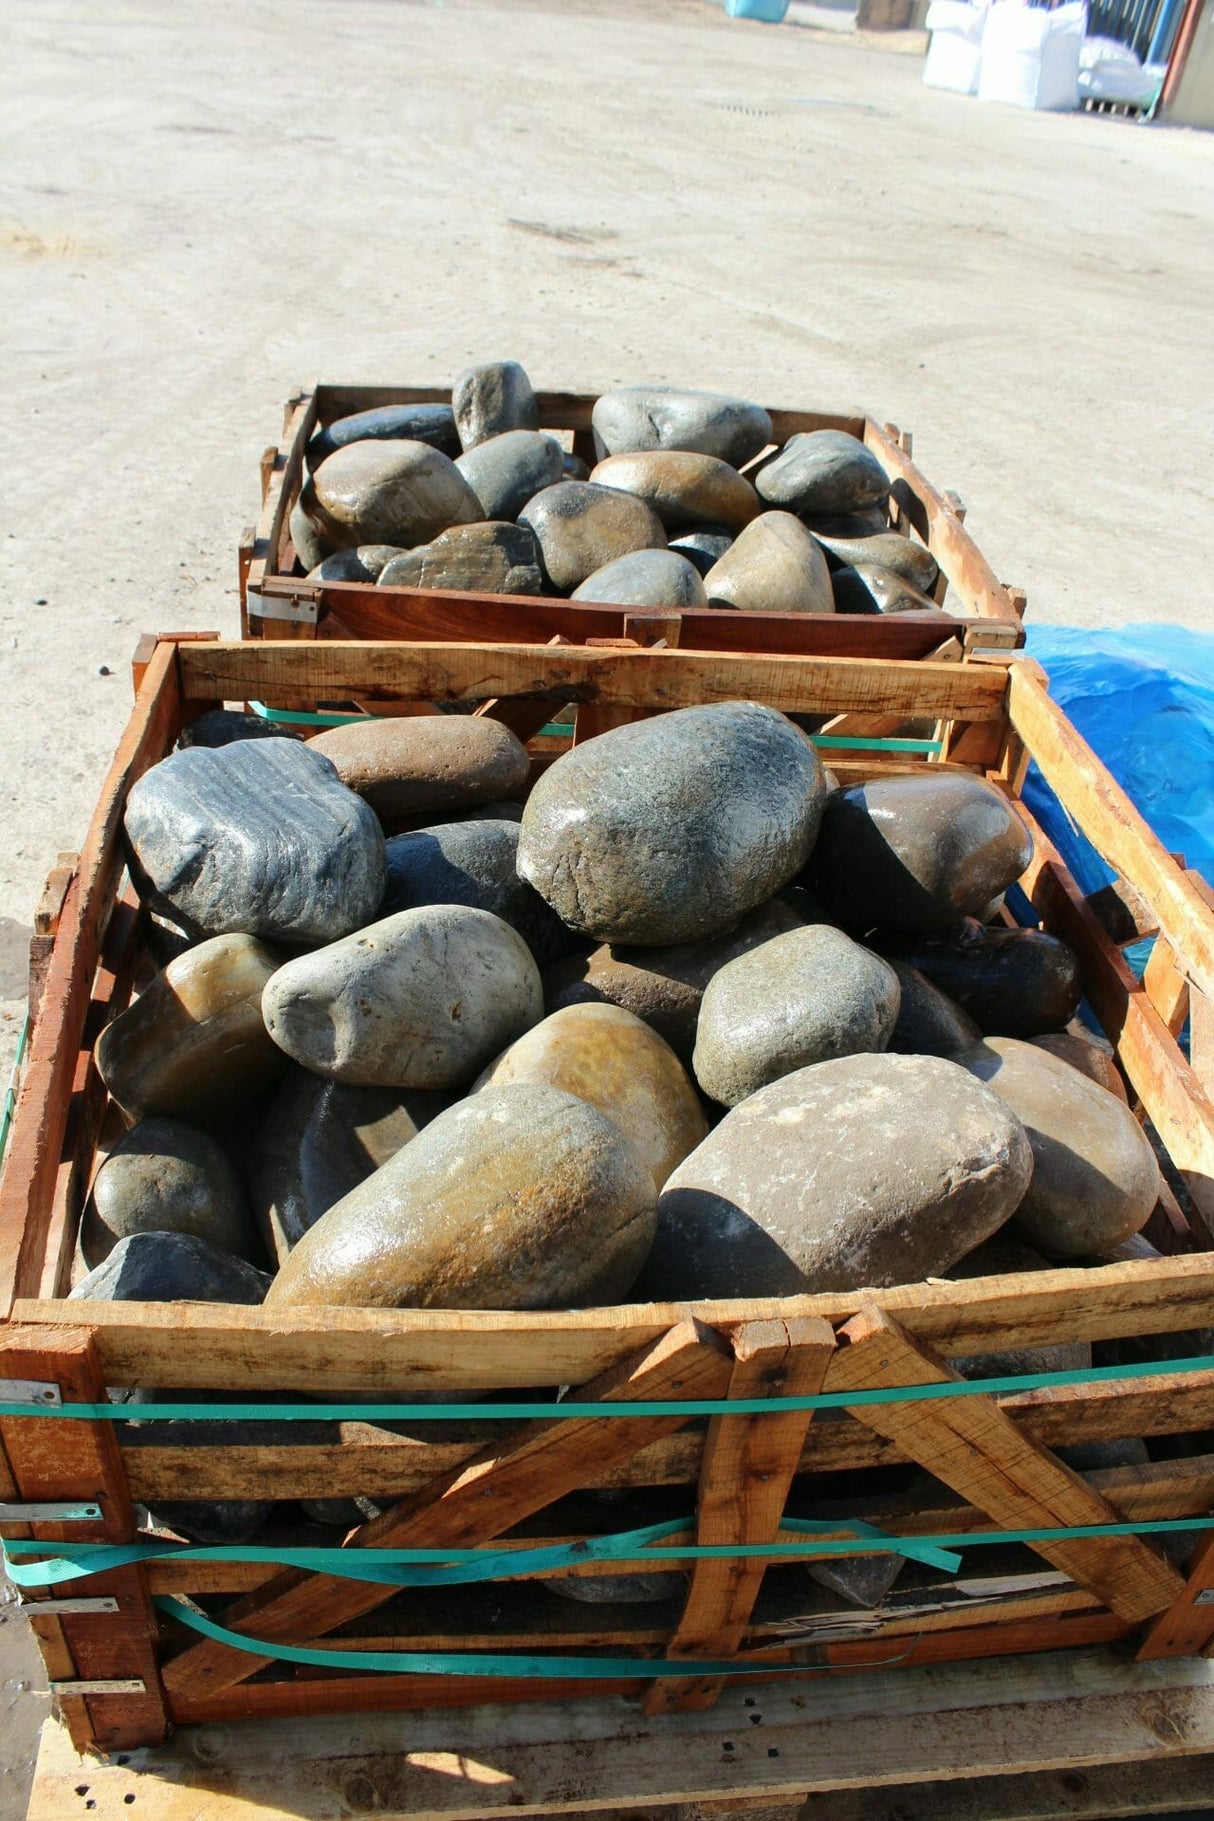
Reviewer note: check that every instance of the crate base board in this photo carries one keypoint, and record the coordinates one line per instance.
(987, 1724)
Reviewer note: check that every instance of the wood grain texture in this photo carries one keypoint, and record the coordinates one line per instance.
(976, 1448)
(502, 1485)
(1187, 1628)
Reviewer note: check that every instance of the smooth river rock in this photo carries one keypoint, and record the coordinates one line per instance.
(669, 830)
(917, 852)
(822, 471)
(929, 1022)
(518, 1198)
(1012, 982)
(172, 1267)
(774, 566)
(224, 726)
(802, 998)
(474, 863)
(492, 398)
(260, 837)
(703, 546)
(318, 1141)
(364, 563)
(433, 424)
(1088, 1057)
(645, 578)
(868, 588)
(508, 470)
(1095, 1178)
(492, 558)
(684, 489)
(673, 417)
(401, 493)
(889, 549)
(614, 1061)
(166, 1177)
(422, 999)
(579, 527)
(193, 1044)
(868, 1170)
(311, 548)
(664, 986)
(421, 764)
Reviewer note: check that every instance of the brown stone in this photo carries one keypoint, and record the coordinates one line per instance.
(580, 527)
(418, 764)
(614, 1061)
(684, 489)
(401, 493)
(773, 566)
(1097, 1064)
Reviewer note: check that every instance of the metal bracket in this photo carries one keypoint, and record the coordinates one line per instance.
(302, 608)
(30, 1391)
(51, 1511)
(134, 1685)
(49, 1609)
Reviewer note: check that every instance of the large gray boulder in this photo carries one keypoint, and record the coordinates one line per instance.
(674, 417)
(433, 424)
(645, 578)
(401, 493)
(166, 1177)
(1011, 982)
(508, 470)
(823, 471)
(492, 398)
(869, 1170)
(474, 863)
(579, 527)
(773, 566)
(683, 488)
(669, 830)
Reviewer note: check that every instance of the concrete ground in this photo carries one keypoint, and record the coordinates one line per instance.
(202, 207)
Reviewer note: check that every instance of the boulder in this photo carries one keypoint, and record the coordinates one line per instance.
(672, 417)
(401, 493)
(1089, 1058)
(579, 527)
(645, 578)
(422, 999)
(169, 1268)
(868, 1170)
(259, 838)
(917, 852)
(669, 830)
(868, 588)
(474, 863)
(684, 489)
(802, 998)
(482, 559)
(224, 726)
(616, 1063)
(518, 1198)
(490, 399)
(310, 547)
(1095, 1178)
(508, 470)
(418, 765)
(364, 563)
(166, 1177)
(774, 566)
(823, 471)
(433, 424)
(929, 1022)
(911, 560)
(1011, 982)
(703, 546)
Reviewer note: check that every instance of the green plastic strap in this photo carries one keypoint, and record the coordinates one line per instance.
(468, 1663)
(515, 1412)
(300, 717)
(874, 743)
(459, 1567)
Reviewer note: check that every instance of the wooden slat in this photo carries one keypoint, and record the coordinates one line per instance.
(1112, 824)
(1187, 1628)
(287, 674)
(52, 1458)
(27, 1188)
(1167, 985)
(746, 1471)
(503, 1485)
(976, 1448)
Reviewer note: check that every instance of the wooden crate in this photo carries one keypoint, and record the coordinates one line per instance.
(995, 1455)
(276, 603)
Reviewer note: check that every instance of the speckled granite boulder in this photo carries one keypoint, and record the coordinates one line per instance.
(669, 830)
(518, 1198)
(492, 558)
(645, 578)
(193, 1043)
(260, 837)
(474, 863)
(684, 489)
(866, 1170)
(433, 424)
(401, 493)
(618, 1064)
(774, 566)
(1095, 1178)
(419, 1000)
(579, 527)
(423, 764)
(823, 471)
(802, 998)
(166, 1177)
(917, 852)
(508, 470)
(673, 417)
(490, 399)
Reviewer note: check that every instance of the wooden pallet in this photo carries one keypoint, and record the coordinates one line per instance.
(277, 603)
(993, 1460)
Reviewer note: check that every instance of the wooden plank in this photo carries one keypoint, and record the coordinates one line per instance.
(1097, 1793)
(1187, 1628)
(381, 1465)
(747, 1468)
(875, 1731)
(1167, 985)
(398, 1351)
(502, 1485)
(51, 1458)
(976, 1448)
(288, 674)
(1112, 824)
(35, 1140)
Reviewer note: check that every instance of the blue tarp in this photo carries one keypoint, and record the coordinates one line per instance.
(1143, 699)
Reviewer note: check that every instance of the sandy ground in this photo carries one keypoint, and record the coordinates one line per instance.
(202, 207)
